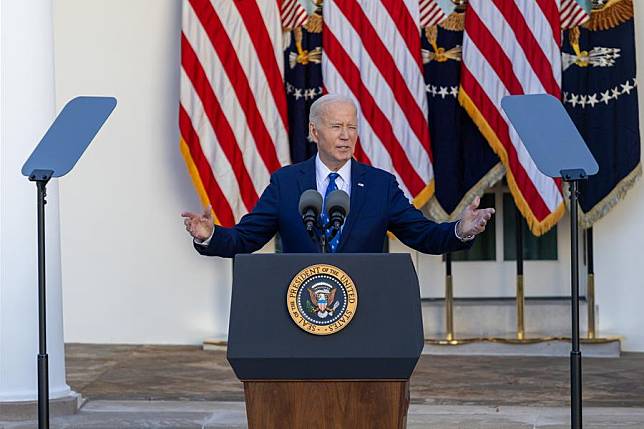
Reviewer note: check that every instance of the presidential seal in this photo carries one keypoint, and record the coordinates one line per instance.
(322, 299)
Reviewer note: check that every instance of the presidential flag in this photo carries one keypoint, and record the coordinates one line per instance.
(233, 117)
(372, 54)
(303, 74)
(600, 94)
(464, 164)
(512, 48)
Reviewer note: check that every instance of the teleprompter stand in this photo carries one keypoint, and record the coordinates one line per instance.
(558, 150)
(55, 155)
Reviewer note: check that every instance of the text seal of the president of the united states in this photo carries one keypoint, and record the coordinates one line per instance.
(322, 299)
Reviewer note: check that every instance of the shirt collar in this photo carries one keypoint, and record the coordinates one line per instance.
(322, 171)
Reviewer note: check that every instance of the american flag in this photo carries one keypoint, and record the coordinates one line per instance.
(431, 13)
(293, 14)
(574, 13)
(512, 48)
(233, 112)
(372, 53)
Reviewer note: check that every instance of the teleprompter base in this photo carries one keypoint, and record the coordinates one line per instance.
(326, 404)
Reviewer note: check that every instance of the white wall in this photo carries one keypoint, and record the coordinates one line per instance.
(129, 271)
(130, 274)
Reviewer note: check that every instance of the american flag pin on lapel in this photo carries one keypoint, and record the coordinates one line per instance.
(361, 184)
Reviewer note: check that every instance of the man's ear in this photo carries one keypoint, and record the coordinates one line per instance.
(313, 133)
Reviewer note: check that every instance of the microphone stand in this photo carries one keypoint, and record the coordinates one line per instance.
(323, 242)
(312, 228)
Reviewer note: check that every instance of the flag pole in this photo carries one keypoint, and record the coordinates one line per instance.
(591, 284)
(449, 298)
(520, 300)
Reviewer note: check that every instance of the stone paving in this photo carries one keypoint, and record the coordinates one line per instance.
(215, 415)
(185, 387)
(189, 373)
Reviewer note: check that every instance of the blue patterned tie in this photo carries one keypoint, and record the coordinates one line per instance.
(333, 243)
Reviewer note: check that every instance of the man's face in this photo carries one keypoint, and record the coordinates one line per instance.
(337, 134)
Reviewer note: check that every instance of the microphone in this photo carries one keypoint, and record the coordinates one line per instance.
(310, 207)
(337, 209)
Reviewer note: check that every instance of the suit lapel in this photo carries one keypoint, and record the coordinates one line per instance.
(357, 199)
(306, 179)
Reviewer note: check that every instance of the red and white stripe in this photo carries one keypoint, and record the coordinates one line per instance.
(373, 55)
(233, 112)
(572, 14)
(293, 14)
(512, 48)
(431, 13)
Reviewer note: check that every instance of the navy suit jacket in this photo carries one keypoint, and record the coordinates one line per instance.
(378, 205)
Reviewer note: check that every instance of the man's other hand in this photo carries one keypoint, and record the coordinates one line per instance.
(473, 220)
(200, 226)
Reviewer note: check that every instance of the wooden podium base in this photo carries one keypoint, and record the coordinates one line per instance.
(327, 404)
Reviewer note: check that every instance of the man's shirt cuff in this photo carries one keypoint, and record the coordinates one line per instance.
(463, 239)
(206, 241)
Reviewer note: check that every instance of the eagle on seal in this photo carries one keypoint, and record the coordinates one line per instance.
(322, 296)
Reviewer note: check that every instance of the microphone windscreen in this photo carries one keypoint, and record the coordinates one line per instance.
(310, 199)
(337, 199)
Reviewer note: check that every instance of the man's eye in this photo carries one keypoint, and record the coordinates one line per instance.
(335, 126)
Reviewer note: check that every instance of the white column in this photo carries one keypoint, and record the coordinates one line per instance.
(28, 107)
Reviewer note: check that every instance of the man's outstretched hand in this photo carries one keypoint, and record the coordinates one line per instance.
(473, 220)
(200, 226)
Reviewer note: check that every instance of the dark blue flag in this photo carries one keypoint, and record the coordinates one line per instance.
(600, 94)
(464, 163)
(303, 79)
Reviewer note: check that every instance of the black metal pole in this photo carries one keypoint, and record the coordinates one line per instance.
(590, 291)
(520, 290)
(575, 354)
(449, 298)
(43, 364)
(519, 240)
(591, 253)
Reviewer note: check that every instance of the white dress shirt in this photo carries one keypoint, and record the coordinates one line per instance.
(322, 177)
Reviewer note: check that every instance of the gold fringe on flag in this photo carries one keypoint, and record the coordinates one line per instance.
(436, 212)
(601, 209)
(196, 178)
(613, 14)
(425, 195)
(537, 227)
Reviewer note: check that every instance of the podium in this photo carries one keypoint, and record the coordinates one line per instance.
(325, 340)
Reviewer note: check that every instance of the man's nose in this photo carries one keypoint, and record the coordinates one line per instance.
(344, 133)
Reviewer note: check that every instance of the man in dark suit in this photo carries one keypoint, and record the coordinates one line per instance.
(377, 203)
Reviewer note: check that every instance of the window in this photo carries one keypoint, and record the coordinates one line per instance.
(542, 248)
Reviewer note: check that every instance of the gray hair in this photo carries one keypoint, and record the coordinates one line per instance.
(318, 107)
